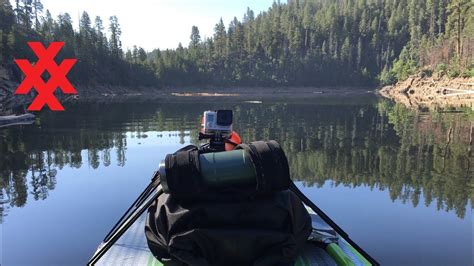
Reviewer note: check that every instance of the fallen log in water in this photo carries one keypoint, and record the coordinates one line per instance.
(10, 120)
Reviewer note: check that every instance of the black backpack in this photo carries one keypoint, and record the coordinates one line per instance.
(268, 230)
(234, 226)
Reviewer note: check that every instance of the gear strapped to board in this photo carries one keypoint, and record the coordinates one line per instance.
(227, 208)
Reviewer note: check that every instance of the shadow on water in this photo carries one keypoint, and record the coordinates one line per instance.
(377, 144)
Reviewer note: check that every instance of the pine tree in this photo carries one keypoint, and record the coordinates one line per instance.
(99, 32)
(115, 33)
(85, 28)
(346, 51)
(307, 23)
(142, 55)
(441, 22)
(459, 14)
(195, 37)
(220, 39)
(7, 20)
(47, 26)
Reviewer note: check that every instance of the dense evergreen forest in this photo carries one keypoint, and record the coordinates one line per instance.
(299, 43)
(100, 58)
(327, 42)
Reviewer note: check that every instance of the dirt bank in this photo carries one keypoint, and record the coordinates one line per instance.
(435, 91)
(110, 93)
(7, 88)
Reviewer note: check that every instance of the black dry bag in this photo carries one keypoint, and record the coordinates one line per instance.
(234, 226)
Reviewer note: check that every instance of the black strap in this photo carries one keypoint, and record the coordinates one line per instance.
(270, 164)
(182, 172)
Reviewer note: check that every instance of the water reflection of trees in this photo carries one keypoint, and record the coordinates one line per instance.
(381, 145)
(409, 153)
(30, 156)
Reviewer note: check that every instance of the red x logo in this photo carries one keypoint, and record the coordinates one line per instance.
(57, 78)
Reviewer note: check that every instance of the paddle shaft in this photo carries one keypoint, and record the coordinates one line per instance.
(146, 192)
(127, 220)
(121, 230)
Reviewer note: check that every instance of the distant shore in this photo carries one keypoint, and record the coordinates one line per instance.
(105, 93)
(431, 92)
(239, 92)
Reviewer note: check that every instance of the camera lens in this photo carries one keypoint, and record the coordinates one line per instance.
(224, 117)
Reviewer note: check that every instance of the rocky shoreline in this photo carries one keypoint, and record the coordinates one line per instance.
(431, 92)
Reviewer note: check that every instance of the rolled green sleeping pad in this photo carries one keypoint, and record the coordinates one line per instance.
(220, 169)
(190, 174)
(216, 169)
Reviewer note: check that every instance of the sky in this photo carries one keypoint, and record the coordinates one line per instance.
(158, 23)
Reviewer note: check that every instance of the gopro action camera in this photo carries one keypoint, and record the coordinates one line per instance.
(219, 121)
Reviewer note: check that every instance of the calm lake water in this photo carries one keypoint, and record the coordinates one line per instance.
(399, 182)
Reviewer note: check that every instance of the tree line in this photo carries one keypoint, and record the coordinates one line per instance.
(99, 51)
(327, 42)
(299, 43)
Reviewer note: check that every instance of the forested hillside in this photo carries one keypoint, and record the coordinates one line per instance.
(327, 42)
(299, 43)
(100, 57)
